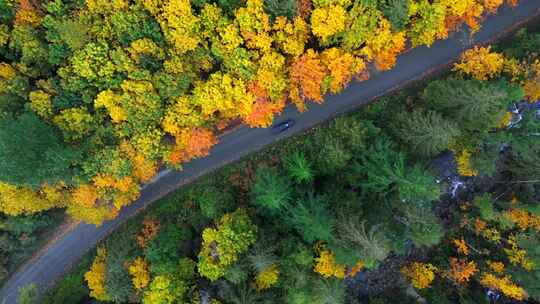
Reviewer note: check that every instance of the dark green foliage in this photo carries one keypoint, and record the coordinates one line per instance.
(277, 8)
(167, 247)
(237, 273)
(385, 171)
(329, 291)
(312, 219)
(477, 106)
(358, 243)
(214, 202)
(524, 43)
(7, 11)
(229, 6)
(261, 257)
(425, 134)
(31, 152)
(529, 279)
(423, 227)
(524, 163)
(240, 294)
(271, 191)
(330, 149)
(397, 12)
(20, 236)
(298, 167)
(117, 279)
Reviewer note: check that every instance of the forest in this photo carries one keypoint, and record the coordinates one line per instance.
(433, 199)
(96, 96)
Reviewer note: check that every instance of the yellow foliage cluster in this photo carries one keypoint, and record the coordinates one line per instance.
(328, 21)
(7, 72)
(254, 25)
(420, 274)
(109, 100)
(497, 267)
(464, 164)
(40, 102)
(461, 246)
(523, 219)
(144, 46)
(180, 25)
(27, 14)
(506, 119)
(461, 271)
(516, 255)
(480, 63)
(95, 277)
(342, 67)
(489, 233)
(291, 37)
(75, 122)
(267, 278)
(85, 195)
(140, 275)
(18, 200)
(503, 284)
(106, 6)
(326, 265)
(385, 45)
(531, 85)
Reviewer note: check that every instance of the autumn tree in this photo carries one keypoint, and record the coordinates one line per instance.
(307, 74)
(95, 277)
(420, 274)
(221, 246)
(480, 63)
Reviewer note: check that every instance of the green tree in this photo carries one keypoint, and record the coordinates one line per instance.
(32, 152)
(298, 167)
(167, 247)
(385, 171)
(117, 279)
(312, 219)
(477, 106)
(423, 227)
(277, 8)
(397, 12)
(214, 202)
(271, 191)
(369, 246)
(425, 133)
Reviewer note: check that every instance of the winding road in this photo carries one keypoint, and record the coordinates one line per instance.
(51, 263)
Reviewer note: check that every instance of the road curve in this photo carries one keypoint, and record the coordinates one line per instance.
(55, 260)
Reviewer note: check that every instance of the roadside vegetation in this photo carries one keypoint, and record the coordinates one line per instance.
(428, 195)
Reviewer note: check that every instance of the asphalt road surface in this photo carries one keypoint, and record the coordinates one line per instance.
(55, 260)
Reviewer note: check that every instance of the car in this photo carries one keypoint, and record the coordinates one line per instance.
(282, 126)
